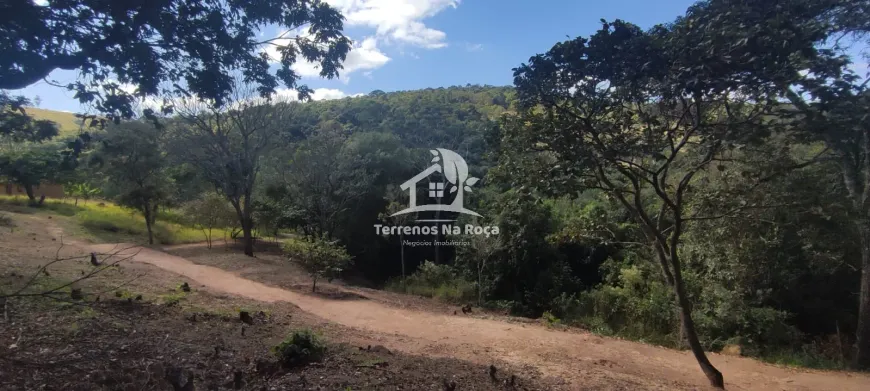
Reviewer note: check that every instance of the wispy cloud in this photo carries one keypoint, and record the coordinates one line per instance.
(364, 55)
(472, 47)
(398, 20)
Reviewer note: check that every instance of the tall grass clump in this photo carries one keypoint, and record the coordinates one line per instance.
(437, 281)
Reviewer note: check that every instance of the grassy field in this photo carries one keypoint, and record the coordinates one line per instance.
(106, 222)
(67, 123)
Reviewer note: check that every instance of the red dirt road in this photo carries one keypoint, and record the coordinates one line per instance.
(583, 360)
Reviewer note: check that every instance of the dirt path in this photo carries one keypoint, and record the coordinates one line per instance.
(582, 359)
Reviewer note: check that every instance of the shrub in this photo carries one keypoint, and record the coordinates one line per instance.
(438, 281)
(6, 221)
(208, 213)
(301, 347)
(637, 307)
(551, 319)
(321, 259)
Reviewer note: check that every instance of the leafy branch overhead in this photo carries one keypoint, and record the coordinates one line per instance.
(164, 47)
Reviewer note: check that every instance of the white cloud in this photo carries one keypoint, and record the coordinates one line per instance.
(473, 47)
(394, 21)
(318, 94)
(399, 20)
(363, 56)
(327, 94)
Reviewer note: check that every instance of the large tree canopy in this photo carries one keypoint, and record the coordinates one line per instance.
(164, 46)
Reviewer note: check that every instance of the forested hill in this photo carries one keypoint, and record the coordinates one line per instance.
(405, 111)
(452, 117)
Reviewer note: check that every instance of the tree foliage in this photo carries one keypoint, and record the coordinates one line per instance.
(17, 126)
(208, 212)
(165, 46)
(320, 258)
(226, 146)
(131, 157)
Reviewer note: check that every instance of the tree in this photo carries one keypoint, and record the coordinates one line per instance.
(325, 180)
(483, 250)
(165, 46)
(134, 165)
(394, 198)
(795, 47)
(625, 113)
(320, 258)
(209, 211)
(29, 164)
(226, 145)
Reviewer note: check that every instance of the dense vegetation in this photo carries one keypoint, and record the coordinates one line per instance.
(701, 183)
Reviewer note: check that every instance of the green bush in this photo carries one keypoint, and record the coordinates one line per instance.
(636, 307)
(321, 259)
(301, 347)
(551, 319)
(438, 281)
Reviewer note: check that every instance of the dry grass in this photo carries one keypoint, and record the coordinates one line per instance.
(67, 123)
(108, 222)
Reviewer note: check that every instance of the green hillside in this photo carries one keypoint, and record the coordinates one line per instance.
(67, 122)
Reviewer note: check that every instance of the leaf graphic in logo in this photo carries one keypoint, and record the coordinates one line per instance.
(453, 189)
(471, 181)
(468, 189)
(450, 171)
(455, 169)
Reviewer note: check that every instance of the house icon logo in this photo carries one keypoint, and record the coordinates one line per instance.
(455, 170)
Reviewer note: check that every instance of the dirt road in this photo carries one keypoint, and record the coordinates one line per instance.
(584, 360)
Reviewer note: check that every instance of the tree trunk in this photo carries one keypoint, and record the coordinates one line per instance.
(314, 285)
(854, 177)
(148, 220)
(688, 328)
(862, 332)
(248, 237)
(480, 286)
(29, 190)
(438, 234)
(402, 250)
(243, 211)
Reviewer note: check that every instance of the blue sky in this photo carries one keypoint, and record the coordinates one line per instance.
(413, 44)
